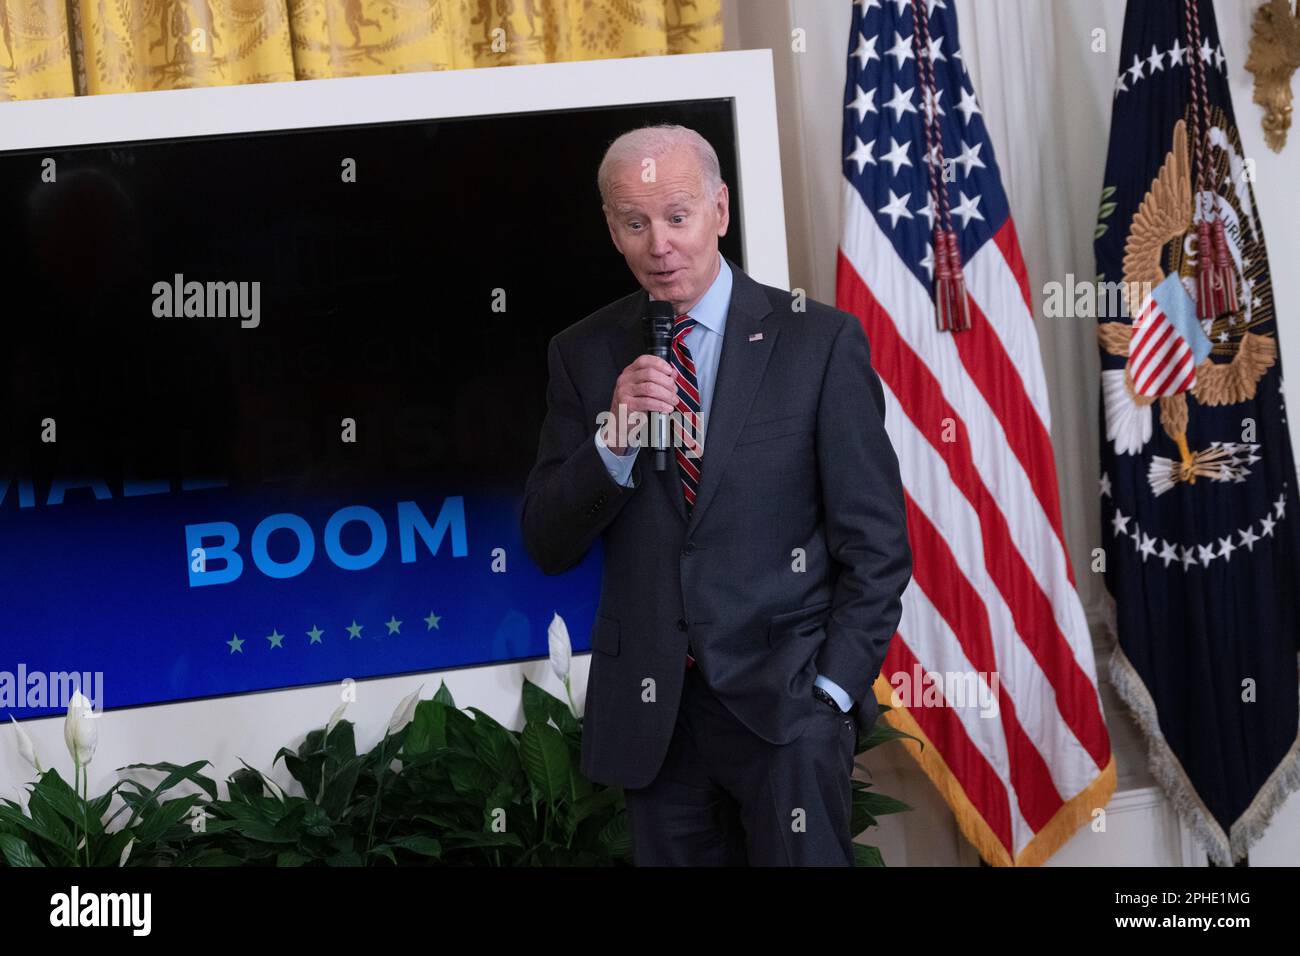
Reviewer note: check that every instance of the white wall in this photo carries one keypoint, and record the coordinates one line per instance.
(1047, 106)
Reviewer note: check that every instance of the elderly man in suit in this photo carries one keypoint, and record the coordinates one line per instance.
(750, 589)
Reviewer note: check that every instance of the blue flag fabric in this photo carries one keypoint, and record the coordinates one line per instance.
(1198, 487)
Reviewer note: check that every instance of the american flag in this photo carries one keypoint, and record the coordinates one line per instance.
(1167, 342)
(992, 595)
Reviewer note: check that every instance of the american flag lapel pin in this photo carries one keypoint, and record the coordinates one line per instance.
(756, 336)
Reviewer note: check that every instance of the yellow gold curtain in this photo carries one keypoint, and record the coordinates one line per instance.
(69, 47)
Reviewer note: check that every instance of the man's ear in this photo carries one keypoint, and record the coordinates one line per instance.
(724, 209)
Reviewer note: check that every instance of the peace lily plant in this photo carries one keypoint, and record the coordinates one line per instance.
(443, 786)
(81, 734)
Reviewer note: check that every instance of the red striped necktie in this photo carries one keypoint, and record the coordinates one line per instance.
(689, 451)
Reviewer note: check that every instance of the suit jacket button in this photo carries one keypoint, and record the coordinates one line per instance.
(690, 548)
(681, 624)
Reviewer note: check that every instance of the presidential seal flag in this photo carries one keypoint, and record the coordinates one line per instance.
(992, 665)
(1198, 496)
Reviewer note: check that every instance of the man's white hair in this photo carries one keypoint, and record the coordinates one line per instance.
(652, 142)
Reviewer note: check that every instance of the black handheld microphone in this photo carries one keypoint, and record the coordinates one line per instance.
(657, 324)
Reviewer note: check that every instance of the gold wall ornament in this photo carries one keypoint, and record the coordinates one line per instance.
(1274, 56)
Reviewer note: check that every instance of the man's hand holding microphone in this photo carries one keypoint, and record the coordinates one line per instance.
(648, 385)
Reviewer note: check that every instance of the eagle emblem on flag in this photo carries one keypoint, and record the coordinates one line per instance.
(1171, 354)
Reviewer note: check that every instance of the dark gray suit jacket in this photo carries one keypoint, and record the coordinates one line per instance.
(795, 556)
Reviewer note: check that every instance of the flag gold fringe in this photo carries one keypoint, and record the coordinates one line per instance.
(1225, 849)
(1075, 813)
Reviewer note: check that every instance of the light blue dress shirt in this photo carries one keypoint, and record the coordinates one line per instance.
(704, 342)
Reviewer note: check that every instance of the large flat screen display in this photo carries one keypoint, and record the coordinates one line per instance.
(268, 400)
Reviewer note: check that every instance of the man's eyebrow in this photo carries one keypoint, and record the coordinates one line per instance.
(675, 199)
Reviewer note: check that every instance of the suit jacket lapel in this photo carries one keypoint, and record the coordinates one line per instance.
(740, 369)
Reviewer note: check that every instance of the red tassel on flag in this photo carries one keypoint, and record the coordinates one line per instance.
(1227, 279)
(1206, 306)
(949, 283)
(942, 281)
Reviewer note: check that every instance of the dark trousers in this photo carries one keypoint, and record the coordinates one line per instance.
(727, 797)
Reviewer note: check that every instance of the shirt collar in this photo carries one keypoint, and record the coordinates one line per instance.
(711, 310)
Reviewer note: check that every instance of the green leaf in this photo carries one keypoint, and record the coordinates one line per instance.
(342, 744)
(878, 804)
(535, 707)
(61, 842)
(316, 822)
(882, 732)
(1108, 191)
(64, 801)
(601, 799)
(245, 785)
(496, 746)
(306, 772)
(540, 705)
(427, 729)
(339, 785)
(1100, 230)
(18, 853)
(469, 776)
(444, 696)
(423, 845)
(616, 837)
(153, 825)
(867, 856)
(45, 817)
(545, 757)
(253, 824)
(462, 839)
(1106, 209)
(217, 858)
(175, 774)
(99, 806)
(385, 851)
(109, 853)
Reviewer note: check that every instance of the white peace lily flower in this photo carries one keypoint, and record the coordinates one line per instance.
(405, 711)
(561, 648)
(81, 729)
(126, 851)
(26, 749)
(334, 718)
